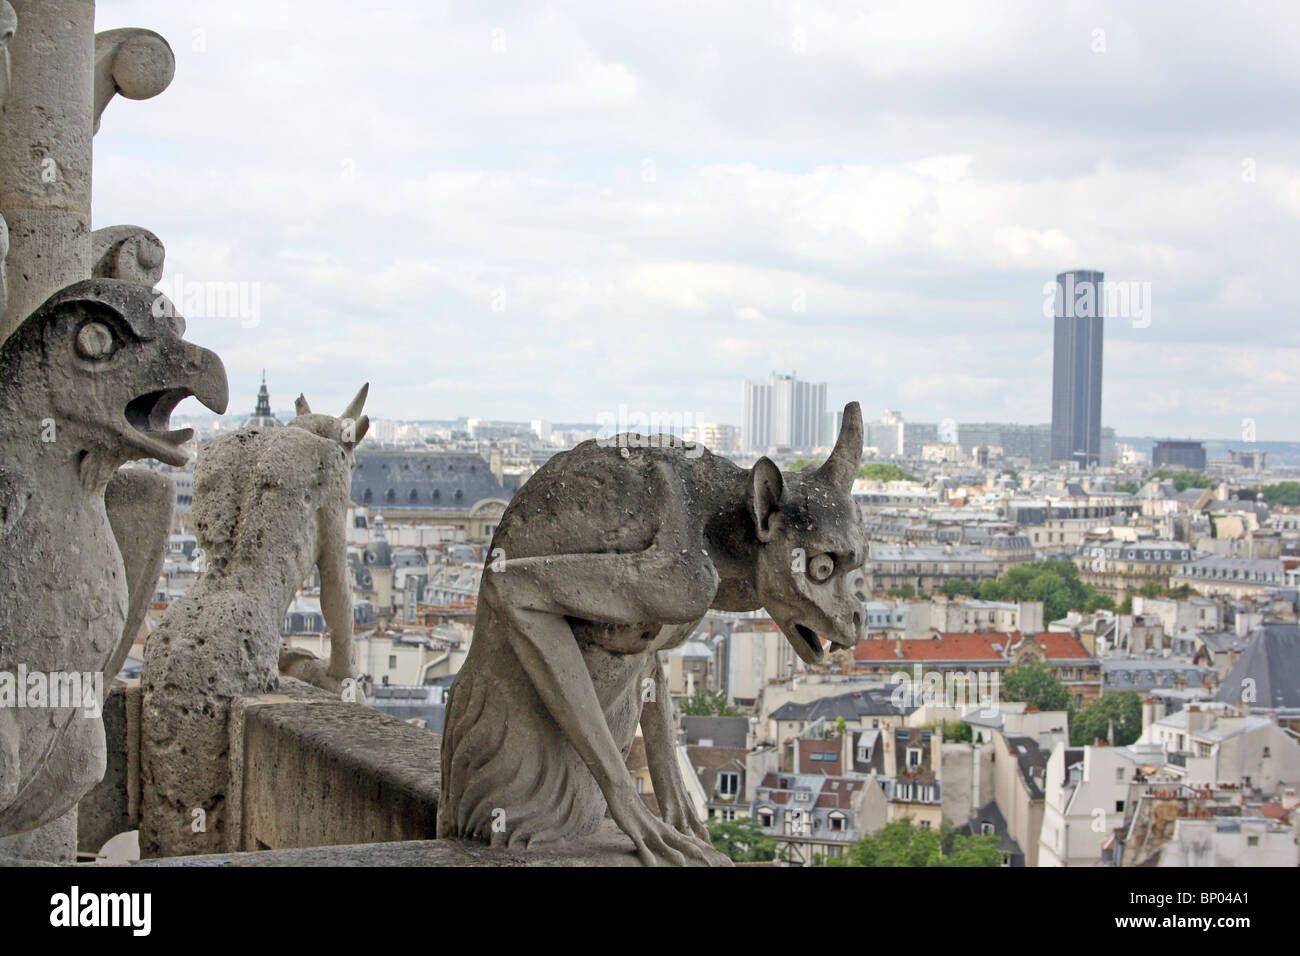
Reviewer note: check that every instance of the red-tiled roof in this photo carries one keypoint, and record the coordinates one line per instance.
(946, 647)
(1058, 646)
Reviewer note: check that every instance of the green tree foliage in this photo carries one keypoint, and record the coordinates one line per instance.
(879, 471)
(1123, 710)
(799, 464)
(955, 587)
(1055, 583)
(1037, 684)
(903, 591)
(1284, 493)
(741, 840)
(1182, 479)
(1132, 487)
(704, 704)
(955, 731)
(902, 843)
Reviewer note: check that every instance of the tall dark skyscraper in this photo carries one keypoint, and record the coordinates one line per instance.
(1076, 367)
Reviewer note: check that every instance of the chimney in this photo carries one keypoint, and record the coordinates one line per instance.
(898, 647)
(494, 464)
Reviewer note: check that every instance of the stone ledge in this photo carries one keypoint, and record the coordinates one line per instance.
(607, 847)
(358, 775)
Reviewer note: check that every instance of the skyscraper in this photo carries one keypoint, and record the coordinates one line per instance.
(1076, 367)
(781, 410)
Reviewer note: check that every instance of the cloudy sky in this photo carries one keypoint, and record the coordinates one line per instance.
(535, 210)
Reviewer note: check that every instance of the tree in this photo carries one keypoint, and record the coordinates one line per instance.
(1283, 493)
(1131, 487)
(1182, 479)
(903, 843)
(1037, 684)
(954, 587)
(704, 704)
(741, 840)
(799, 464)
(1055, 583)
(973, 850)
(955, 731)
(903, 591)
(1122, 710)
(879, 471)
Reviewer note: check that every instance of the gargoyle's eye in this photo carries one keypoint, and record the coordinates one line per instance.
(821, 567)
(95, 340)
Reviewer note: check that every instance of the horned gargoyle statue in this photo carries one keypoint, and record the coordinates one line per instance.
(269, 503)
(611, 553)
(87, 383)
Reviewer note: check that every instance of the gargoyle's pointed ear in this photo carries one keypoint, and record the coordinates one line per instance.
(300, 405)
(765, 486)
(355, 406)
(841, 468)
(363, 426)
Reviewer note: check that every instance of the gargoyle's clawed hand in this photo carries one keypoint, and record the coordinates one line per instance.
(659, 843)
(675, 807)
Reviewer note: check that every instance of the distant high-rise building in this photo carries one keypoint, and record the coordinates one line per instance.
(780, 410)
(1079, 325)
(1187, 455)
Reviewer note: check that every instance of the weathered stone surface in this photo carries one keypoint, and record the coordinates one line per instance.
(87, 383)
(608, 846)
(112, 807)
(136, 63)
(127, 252)
(269, 503)
(359, 776)
(610, 553)
(8, 27)
(46, 126)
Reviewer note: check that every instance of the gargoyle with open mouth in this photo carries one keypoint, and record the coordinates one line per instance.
(87, 383)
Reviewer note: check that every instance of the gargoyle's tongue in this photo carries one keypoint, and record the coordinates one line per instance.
(165, 446)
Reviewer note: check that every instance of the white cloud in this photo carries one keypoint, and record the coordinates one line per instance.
(651, 198)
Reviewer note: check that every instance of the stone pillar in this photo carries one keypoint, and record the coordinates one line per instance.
(46, 125)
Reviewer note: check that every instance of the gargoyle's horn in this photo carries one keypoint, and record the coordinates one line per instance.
(300, 405)
(842, 467)
(355, 406)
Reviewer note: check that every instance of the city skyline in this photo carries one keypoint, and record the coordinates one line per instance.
(668, 239)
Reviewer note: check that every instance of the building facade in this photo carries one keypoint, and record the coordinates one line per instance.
(1079, 327)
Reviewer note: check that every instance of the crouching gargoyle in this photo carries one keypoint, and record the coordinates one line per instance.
(613, 552)
(87, 383)
(269, 503)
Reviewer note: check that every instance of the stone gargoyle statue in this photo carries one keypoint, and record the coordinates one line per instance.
(87, 383)
(269, 503)
(613, 552)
